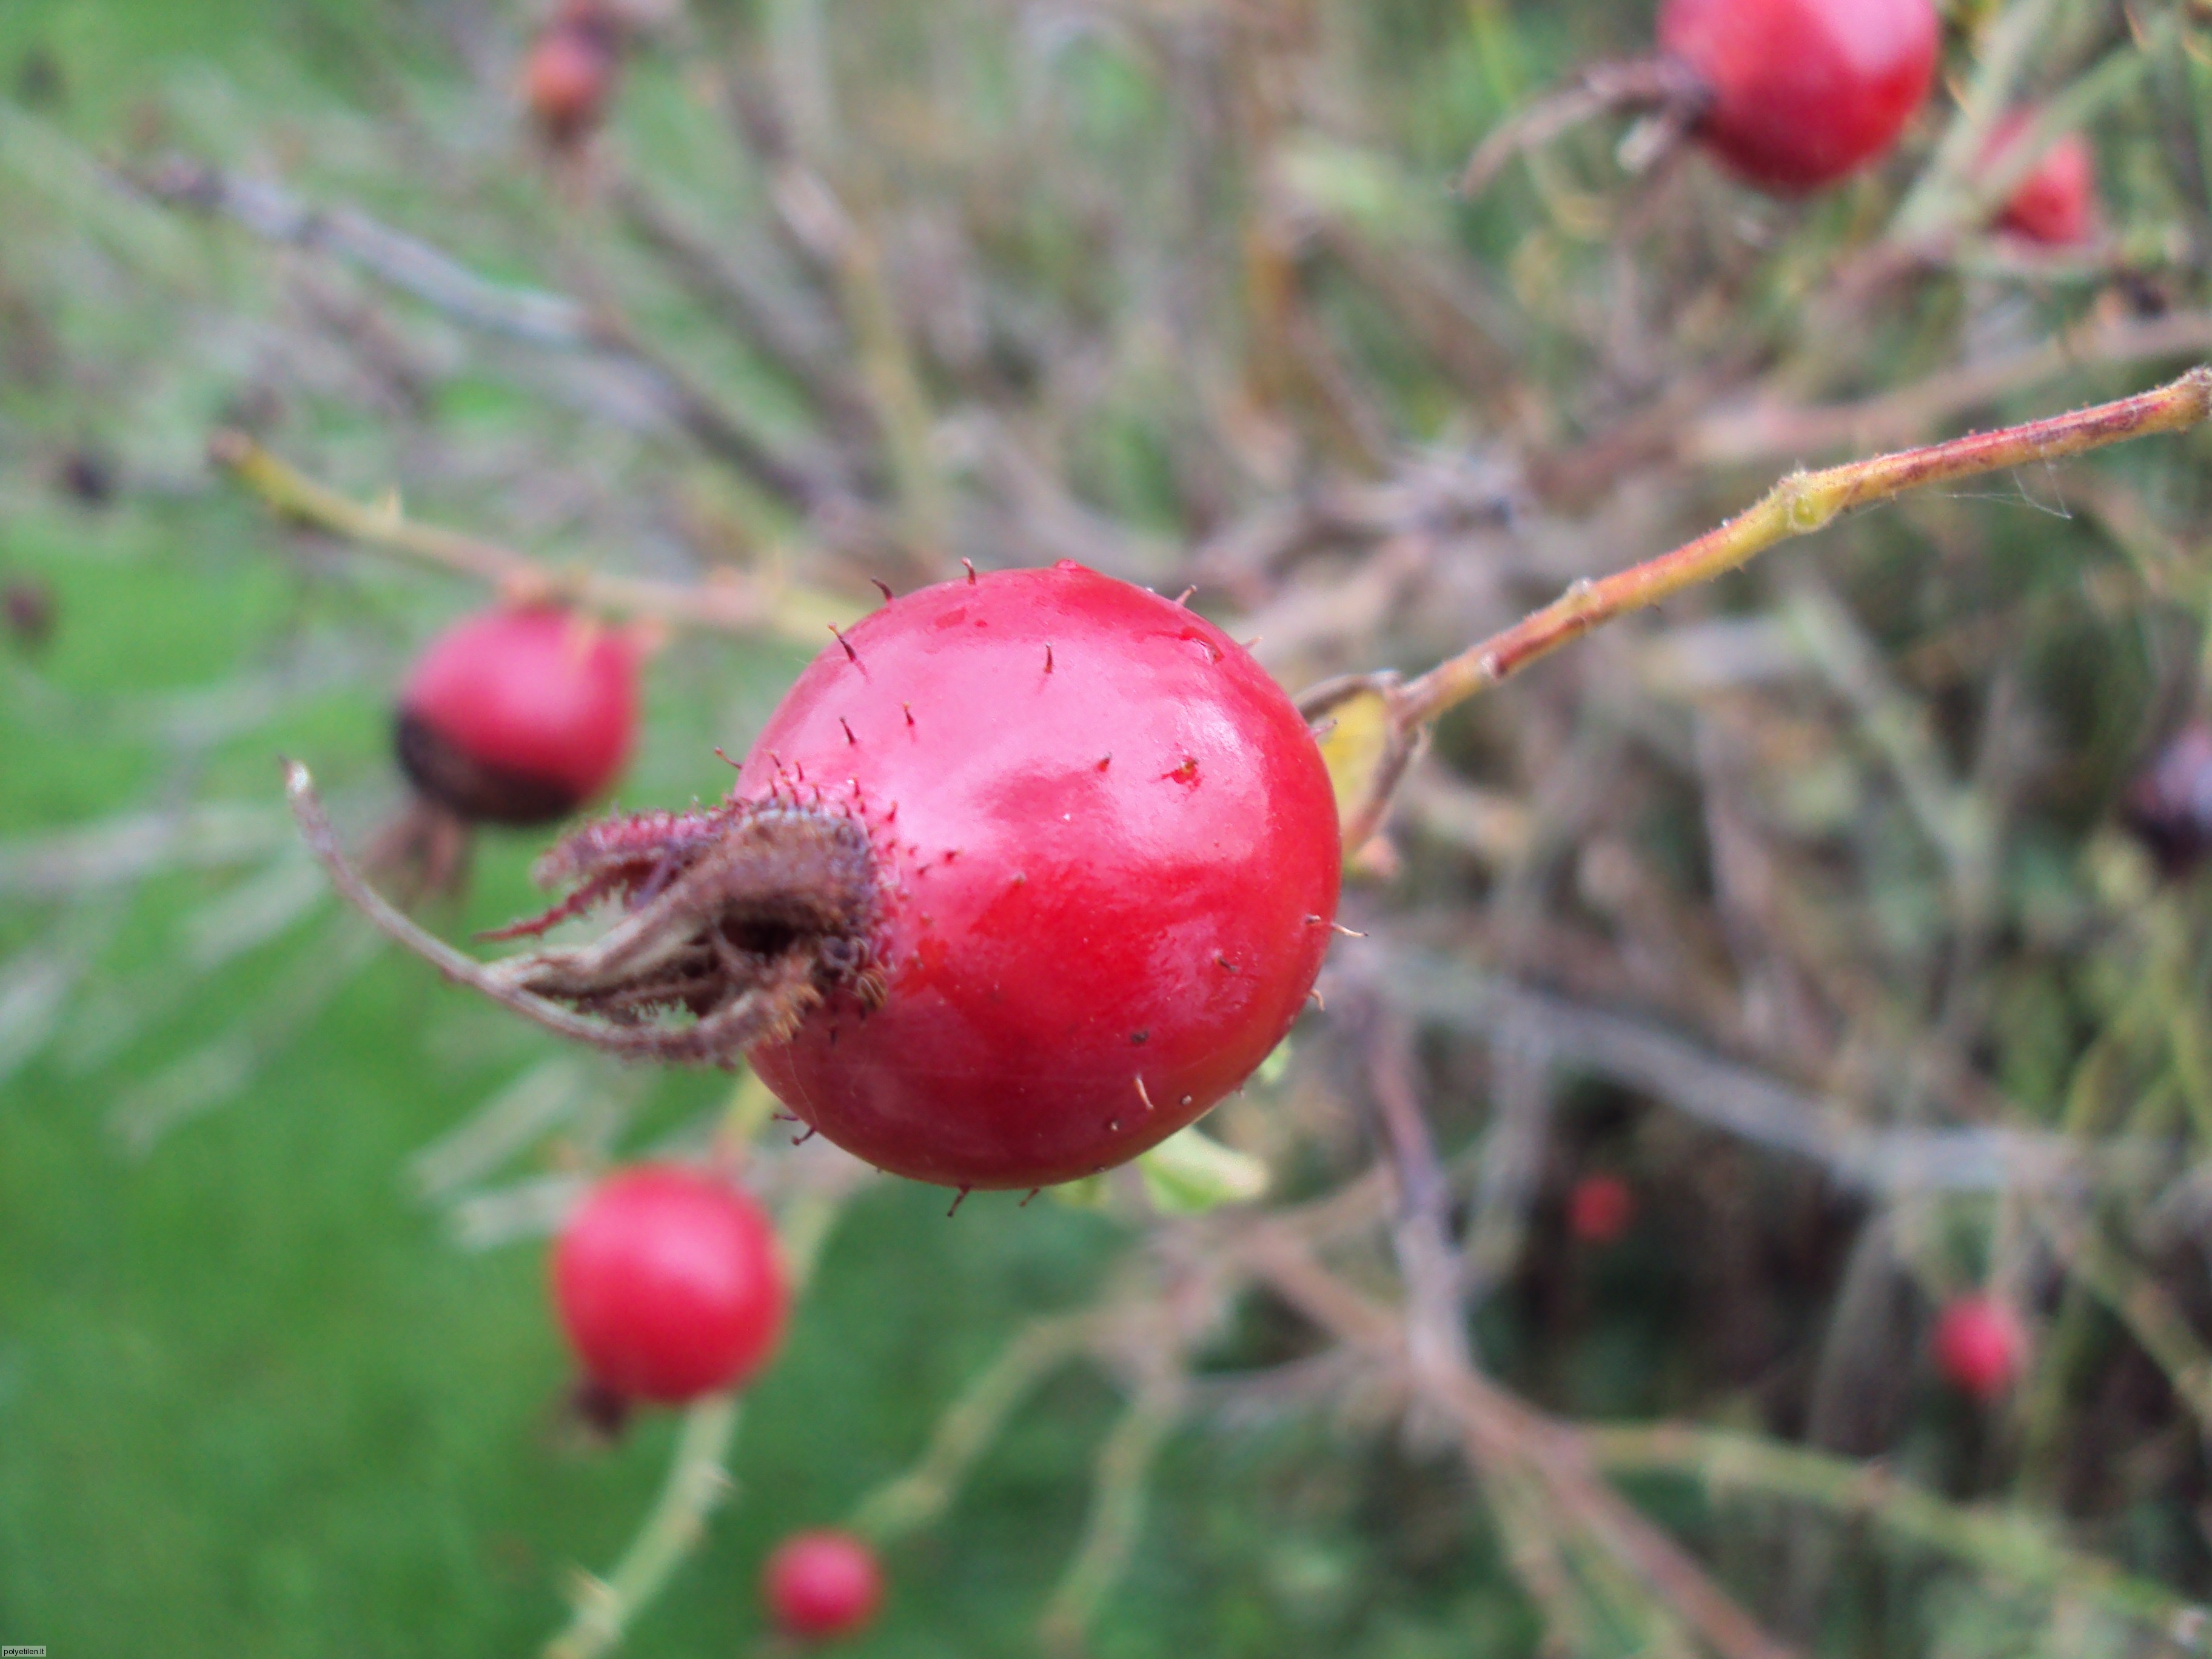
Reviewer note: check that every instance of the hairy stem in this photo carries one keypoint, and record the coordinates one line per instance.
(729, 603)
(1799, 505)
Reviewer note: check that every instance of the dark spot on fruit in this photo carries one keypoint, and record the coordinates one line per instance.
(1140, 1038)
(1186, 774)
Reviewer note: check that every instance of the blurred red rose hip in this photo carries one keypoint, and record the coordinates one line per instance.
(822, 1584)
(2055, 205)
(1979, 1347)
(1600, 1208)
(669, 1285)
(519, 716)
(1802, 92)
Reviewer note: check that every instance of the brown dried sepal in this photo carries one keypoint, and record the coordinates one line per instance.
(743, 916)
(737, 920)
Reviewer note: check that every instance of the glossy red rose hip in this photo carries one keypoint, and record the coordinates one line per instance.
(519, 716)
(1803, 91)
(1107, 851)
(669, 1285)
(1979, 1347)
(822, 1584)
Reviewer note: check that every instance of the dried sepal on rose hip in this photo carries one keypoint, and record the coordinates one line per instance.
(1025, 873)
(669, 1285)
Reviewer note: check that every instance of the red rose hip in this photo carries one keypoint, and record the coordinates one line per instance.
(1107, 854)
(822, 1584)
(669, 1285)
(569, 73)
(519, 716)
(1979, 1347)
(2055, 205)
(1600, 1208)
(1802, 92)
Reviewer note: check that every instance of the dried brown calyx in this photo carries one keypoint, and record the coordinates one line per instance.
(737, 920)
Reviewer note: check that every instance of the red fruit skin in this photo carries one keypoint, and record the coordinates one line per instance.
(1600, 1208)
(669, 1285)
(1979, 1347)
(1804, 91)
(1118, 867)
(822, 1584)
(2056, 205)
(544, 700)
(567, 77)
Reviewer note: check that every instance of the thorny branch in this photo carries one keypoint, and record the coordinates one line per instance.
(725, 602)
(1798, 505)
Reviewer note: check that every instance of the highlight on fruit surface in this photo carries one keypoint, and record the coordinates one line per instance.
(822, 1584)
(669, 1285)
(1978, 1346)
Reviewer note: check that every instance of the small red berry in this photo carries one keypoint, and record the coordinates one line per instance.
(1803, 91)
(1979, 1347)
(822, 1584)
(669, 1285)
(519, 716)
(1071, 961)
(569, 73)
(1600, 1208)
(2056, 204)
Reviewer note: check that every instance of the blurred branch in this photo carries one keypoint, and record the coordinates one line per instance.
(917, 1497)
(1799, 505)
(726, 601)
(1117, 1510)
(2016, 1546)
(120, 850)
(1739, 1100)
(1504, 1434)
(532, 316)
(2141, 1304)
(1766, 430)
(697, 1482)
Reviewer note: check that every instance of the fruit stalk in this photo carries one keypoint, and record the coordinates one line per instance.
(1799, 505)
(731, 603)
